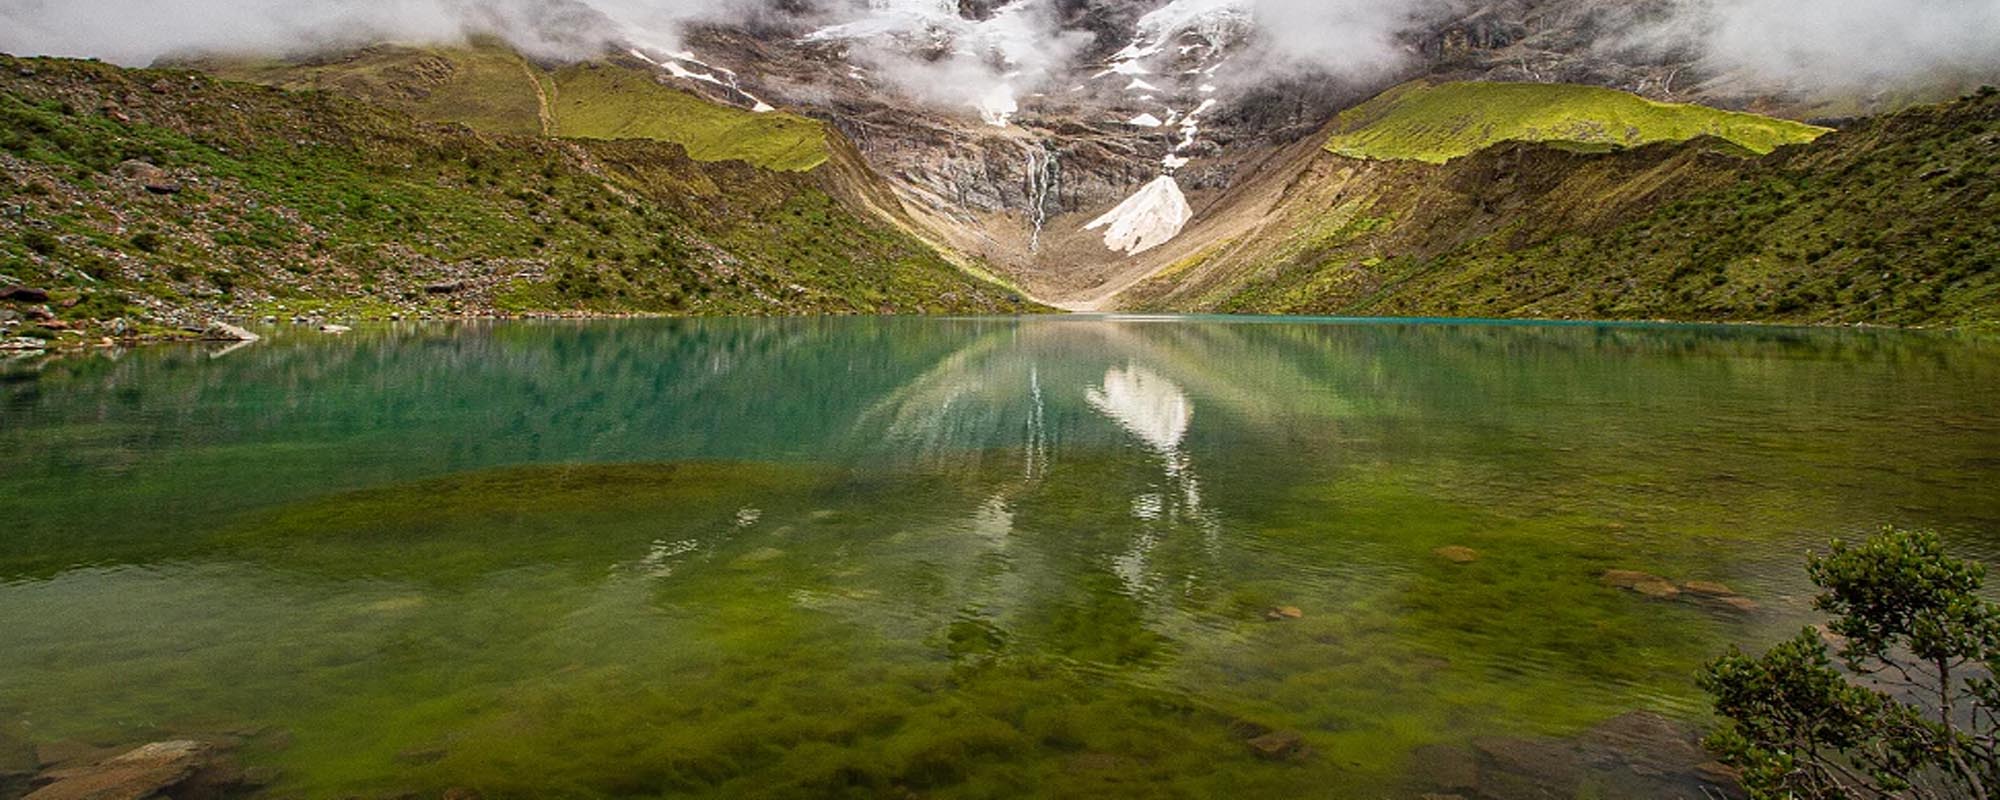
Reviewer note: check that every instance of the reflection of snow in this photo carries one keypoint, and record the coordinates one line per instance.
(1158, 412)
(993, 521)
(1151, 407)
(1148, 506)
(660, 556)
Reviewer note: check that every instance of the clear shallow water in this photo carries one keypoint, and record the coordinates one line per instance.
(940, 557)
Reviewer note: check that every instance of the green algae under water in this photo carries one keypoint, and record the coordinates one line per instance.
(952, 558)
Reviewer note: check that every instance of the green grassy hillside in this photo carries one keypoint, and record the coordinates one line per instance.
(1424, 121)
(493, 89)
(169, 197)
(600, 101)
(1894, 221)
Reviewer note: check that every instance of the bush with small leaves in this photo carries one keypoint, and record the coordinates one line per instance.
(1910, 709)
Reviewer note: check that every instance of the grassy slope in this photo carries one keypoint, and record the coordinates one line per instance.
(1424, 121)
(312, 201)
(493, 89)
(1895, 221)
(608, 102)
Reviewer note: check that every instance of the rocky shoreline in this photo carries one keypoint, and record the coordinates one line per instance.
(31, 324)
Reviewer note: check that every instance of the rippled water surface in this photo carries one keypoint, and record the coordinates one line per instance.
(952, 558)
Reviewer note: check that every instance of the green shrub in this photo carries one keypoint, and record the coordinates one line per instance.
(1912, 709)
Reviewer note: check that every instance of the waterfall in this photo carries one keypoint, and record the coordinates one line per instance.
(1044, 182)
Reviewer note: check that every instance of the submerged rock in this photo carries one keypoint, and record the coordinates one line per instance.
(1278, 745)
(1644, 583)
(1626, 578)
(1457, 554)
(1635, 755)
(1742, 604)
(1708, 589)
(17, 765)
(1658, 590)
(140, 773)
(1449, 769)
(1281, 613)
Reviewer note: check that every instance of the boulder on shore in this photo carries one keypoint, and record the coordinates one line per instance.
(219, 331)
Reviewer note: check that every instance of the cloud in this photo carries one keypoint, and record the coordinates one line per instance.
(1347, 39)
(136, 32)
(927, 50)
(1831, 45)
(1834, 46)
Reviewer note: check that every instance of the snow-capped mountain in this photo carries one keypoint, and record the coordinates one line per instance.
(1070, 143)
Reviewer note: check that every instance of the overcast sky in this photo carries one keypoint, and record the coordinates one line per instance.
(1800, 44)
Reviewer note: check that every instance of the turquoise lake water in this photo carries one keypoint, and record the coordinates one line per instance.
(1088, 557)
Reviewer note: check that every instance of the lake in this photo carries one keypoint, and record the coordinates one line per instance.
(953, 558)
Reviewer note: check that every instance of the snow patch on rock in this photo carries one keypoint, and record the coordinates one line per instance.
(1148, 219)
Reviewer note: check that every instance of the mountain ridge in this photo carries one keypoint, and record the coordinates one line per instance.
(167, 199)
(1889, 222)
(1182, 211)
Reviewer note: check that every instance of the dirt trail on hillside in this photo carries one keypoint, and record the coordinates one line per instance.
(544, 108)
